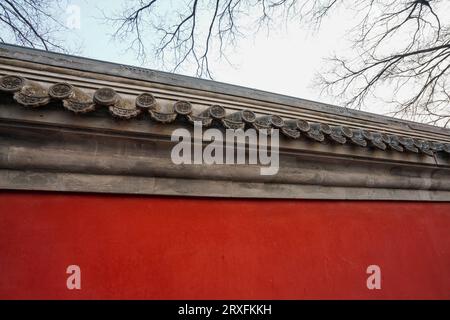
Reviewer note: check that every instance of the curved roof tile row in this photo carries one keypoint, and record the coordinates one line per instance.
(31, 94)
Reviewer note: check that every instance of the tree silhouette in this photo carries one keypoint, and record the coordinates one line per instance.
(31, 23)
(402, 45)
(400, 51)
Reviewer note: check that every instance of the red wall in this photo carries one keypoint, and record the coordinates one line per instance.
(184, 248)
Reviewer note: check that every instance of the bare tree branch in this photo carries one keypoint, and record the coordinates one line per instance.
(405, 47)
(399, 52)
(31, 23)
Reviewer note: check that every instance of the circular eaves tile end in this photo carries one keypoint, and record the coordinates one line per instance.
(11, 83)
(183, 107)
(217, 112)
(105, 96)
(248, 116)
(60, 90)
(145, 101)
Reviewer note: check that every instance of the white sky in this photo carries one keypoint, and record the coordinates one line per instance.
(285, 61)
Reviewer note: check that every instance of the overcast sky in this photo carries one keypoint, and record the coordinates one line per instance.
(284, 61)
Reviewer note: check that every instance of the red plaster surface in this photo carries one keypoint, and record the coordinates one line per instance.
(133, 247)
